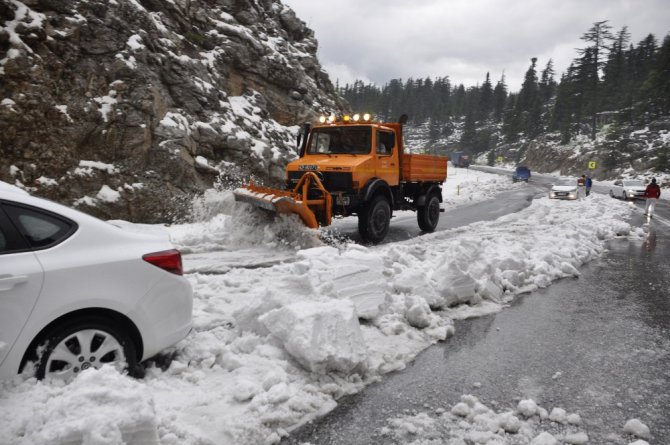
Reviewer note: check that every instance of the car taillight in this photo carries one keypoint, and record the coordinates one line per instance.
(169, 260)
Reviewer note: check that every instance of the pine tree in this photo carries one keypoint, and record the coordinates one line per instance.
(485, 100)
(656, 89)
(592, 61)
(469, 132)
(547, 87)
(616, 79)
(499, 99)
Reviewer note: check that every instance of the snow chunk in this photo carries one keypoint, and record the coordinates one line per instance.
(107, 194)
(322, 336)
(544, 438)
(86, 168)
(637, 428)
(106, 103)
(580, 438)
(46, 182)
(558, 415)
(135, 42)
(418, 312)
(527, 407)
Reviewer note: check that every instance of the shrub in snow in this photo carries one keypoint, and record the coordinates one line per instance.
(637, 428)
(321, 336)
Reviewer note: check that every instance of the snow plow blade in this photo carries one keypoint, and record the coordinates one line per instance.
(309, 200)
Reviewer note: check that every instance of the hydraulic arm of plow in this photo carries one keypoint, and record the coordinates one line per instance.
(309, 199)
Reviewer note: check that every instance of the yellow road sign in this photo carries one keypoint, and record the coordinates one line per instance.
(500, 158)
(592, 165)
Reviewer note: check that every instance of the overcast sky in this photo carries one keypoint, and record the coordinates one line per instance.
(379, 40)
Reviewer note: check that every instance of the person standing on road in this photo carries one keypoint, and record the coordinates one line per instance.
(588, 183)
(581, 184)
(652, 193)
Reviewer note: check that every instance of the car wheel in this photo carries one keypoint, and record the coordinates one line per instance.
(374, 220)
(79, 344)
(429, 215)
(624, 196)
(611, 194)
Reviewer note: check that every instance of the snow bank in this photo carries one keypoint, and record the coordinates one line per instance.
(100, 407)
(274, 346)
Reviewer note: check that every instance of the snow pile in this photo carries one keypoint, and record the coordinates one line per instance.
(100, 407)
(274, 346)
(470, 421)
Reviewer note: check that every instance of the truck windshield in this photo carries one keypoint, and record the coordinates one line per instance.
(341, 140)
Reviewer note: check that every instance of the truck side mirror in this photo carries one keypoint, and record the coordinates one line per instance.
(302, 139)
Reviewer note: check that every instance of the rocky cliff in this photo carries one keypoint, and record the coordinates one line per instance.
(127, 108)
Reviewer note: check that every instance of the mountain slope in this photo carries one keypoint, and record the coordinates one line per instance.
(126, 108)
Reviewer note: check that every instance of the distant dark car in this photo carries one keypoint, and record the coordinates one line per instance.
(521, 174)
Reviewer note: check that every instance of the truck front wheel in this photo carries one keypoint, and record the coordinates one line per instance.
(429, 215)
(374, 220)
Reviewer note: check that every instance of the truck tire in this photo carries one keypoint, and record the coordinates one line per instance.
(374, 220)
(429, 215)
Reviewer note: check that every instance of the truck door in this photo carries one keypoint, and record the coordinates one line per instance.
(387, 165)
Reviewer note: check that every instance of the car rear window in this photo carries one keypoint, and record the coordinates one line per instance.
(40, 228)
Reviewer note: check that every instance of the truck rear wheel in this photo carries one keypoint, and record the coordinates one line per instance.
(429, 215)
(374, 220)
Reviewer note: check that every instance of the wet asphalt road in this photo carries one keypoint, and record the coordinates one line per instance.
(598, 345)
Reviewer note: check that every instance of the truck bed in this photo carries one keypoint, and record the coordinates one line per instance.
(419, 168)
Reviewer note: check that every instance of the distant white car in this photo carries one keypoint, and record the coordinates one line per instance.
(77, 292)
(564, 189)
(627, 189)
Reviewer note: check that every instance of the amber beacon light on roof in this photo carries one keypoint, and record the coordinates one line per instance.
(353, 165)
(346, 119)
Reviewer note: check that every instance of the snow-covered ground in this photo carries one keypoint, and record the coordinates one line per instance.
(285, 324)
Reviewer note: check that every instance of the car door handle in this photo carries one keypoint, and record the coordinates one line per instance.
(9, 281)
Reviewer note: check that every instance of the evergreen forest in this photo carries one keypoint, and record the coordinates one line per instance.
(611, 80)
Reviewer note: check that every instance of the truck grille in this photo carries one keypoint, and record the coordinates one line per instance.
(333, 181)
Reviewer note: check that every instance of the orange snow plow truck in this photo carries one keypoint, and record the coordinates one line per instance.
(354, 166)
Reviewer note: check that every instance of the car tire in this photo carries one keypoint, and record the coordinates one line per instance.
(374, 220)
(611, 194)
(429, 215)
(624, 196)
(81, 343)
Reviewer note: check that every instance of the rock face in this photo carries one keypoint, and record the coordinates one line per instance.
(127, 108)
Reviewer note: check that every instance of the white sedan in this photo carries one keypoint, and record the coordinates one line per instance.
(77, 292)
(564, 189)
(627, 189)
